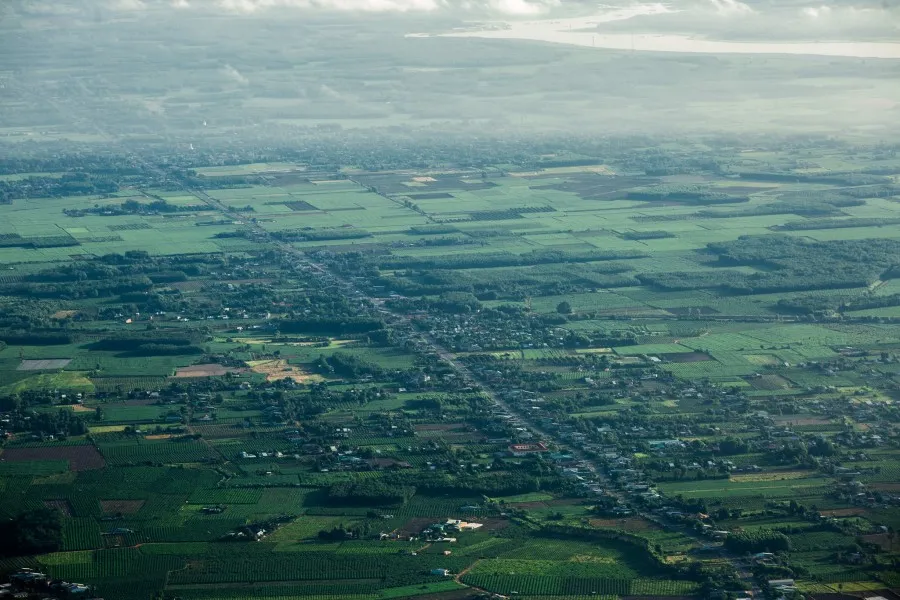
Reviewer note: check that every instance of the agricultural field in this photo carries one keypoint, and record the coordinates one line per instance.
(272, 379)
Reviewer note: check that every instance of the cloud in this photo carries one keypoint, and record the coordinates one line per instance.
(506, 7)
(520, 7)
(817, 11)
(127, 5)
(809, 20)
(263, 7)
(731, 7)
(252, 6)
(235, 75)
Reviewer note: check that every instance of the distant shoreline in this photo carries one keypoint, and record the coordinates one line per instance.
(581, 31)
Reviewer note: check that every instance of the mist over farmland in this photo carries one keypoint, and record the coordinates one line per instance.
(449, 299)
(216, 70)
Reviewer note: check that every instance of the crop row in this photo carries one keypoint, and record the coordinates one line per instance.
(395, 570)
(81, 534)
(165, 452)
(562, 585)
(342, 589)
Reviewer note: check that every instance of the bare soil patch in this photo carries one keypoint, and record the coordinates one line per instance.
(882, 540)
(62, 506)
(280, 369)
(207, 370)
(44, 364)
(415, 525)
(844, 512)
(64, 314)
(80, 458)
(126, 507)
(685, 357)
(775, 475)
(291, 178)
(885, 487)
(431, 196)
(300, 206)
(399, 184)
(492, 524)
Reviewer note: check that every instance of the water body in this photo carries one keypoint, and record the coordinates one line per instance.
(583, 31)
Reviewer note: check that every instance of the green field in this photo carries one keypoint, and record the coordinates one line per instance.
(276, 378)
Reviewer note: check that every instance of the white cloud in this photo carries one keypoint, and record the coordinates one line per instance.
(731, 7)
(507, 7)
(127, 5)
(251, 6)
(235, 75)
(520, 7)
(817, 11)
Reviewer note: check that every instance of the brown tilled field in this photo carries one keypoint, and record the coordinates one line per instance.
(126, 507)
(844, 512)
(686, 357)
(81, 458)
(208, 370)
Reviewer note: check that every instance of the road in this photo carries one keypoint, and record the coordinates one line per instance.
(351, 291)
(431, 344)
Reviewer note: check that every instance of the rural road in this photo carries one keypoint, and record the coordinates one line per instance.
(429, 342)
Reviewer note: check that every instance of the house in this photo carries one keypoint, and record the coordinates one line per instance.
(456, 524)
(441, 572)
(525, 449)
(27, 576)
(75, 589)
(782, 584)
(663, 444)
